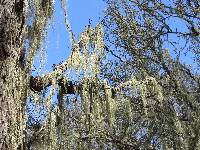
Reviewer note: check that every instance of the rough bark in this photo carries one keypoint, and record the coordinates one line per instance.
(13, 78)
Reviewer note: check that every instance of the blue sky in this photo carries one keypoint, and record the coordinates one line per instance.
(79, 13)
(57, 41)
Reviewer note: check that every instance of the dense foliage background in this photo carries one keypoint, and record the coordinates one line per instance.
(126, 84)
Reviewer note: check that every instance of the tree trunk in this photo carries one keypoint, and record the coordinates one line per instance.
(13, 77)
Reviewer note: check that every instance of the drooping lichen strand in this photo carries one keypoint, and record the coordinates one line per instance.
(88, 51)
(143, 89)
(38, 16)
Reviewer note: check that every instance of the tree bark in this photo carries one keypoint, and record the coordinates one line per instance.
(13, 77)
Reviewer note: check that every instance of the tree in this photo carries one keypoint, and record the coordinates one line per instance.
(149, 39)
(23, 28)
(16, 63)
(136, 101)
